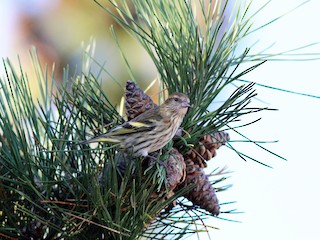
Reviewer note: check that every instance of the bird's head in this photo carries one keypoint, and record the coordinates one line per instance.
(177, 103)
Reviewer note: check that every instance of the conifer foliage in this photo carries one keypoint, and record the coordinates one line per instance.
(52, 188)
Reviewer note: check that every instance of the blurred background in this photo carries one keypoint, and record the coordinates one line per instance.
(61, 30)
(278, 203)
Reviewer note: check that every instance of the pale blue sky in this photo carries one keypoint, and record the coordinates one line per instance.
(283, 202)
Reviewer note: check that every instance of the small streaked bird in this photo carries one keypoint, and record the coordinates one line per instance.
(151, 130)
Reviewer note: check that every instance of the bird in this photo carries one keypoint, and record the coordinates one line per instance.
(149, 131)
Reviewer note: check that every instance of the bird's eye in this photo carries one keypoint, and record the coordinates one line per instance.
(176, 99)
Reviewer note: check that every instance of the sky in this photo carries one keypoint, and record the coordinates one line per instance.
(282, 202)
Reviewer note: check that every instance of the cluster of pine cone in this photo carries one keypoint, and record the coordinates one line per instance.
(183, 170)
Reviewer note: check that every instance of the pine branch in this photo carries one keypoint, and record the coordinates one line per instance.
(51, 187)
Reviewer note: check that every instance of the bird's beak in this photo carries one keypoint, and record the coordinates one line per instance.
(185, 104)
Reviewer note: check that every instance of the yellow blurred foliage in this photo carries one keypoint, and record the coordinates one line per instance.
(59, 32)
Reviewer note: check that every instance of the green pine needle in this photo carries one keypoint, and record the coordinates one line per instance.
(52, 188)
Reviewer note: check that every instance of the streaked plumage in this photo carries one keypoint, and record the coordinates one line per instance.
(151, 130)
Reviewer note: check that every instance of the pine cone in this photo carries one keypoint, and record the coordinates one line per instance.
(208, 145)
(175, 170)
(175, 173)
(203, 194)
(136, 101)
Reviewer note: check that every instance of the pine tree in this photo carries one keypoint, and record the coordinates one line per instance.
(51, 188)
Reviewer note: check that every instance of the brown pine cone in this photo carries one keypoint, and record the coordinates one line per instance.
(203, 195)
(136, 101)
(175, 173)
(208, 145)
(175, 170)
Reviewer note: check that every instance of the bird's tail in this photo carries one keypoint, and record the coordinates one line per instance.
(101, 138)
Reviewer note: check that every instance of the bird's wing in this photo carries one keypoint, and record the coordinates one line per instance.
(117, 134)
(144, 122)
(151, 115)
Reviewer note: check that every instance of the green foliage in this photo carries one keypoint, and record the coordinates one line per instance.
(201, 60)
(52, 188)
